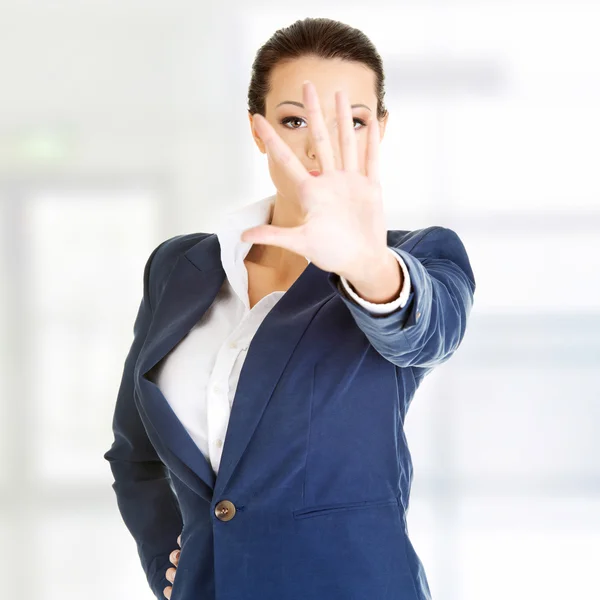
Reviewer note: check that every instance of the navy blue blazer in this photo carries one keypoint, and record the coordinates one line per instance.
(313, 487)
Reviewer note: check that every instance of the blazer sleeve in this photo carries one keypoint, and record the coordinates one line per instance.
(428, 329)
(145, 498)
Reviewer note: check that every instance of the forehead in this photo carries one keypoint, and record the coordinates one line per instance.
(327, 75)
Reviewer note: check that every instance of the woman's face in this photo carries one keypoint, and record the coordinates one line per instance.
(290, 121)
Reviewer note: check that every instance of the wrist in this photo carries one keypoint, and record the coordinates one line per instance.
(379, 280)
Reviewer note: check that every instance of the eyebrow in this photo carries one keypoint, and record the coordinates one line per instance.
(302, 105)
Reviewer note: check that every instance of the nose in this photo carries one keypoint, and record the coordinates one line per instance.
(311, 150)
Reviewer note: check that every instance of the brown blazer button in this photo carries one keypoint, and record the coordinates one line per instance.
(225, 510)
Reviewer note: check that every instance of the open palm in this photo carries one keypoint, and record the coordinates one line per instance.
(344, 226)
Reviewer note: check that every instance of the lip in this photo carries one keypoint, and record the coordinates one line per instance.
(315, 173)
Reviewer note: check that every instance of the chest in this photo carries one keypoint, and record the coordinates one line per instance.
(261, 283)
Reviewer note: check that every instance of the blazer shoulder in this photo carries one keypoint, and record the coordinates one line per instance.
(434, 243)
(409, 239)
(163, 258)
(434, 237)
(170, 249)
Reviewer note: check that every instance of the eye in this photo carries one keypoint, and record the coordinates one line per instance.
(290, 119)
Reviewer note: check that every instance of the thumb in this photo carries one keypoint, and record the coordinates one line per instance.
(290, 238)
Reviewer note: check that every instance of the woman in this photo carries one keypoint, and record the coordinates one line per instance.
(289, 478)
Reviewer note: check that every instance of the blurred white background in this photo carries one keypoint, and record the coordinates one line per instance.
(124, 122)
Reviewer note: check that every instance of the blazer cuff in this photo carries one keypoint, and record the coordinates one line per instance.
(382, 308)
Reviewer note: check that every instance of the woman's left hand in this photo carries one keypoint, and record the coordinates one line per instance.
(344, 229)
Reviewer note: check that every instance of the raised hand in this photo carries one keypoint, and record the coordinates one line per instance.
(344, 229)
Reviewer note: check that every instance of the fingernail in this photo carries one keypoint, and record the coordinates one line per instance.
(177, 554)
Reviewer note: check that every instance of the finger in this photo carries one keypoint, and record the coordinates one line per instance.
(279, 151)
(179, 540)
(170, 574)
(167, 591)
(317, 128)
(347, 135)
(291, 238)
(174, 557)
(372, 160)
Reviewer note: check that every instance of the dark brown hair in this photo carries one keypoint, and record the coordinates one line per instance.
(318, 37)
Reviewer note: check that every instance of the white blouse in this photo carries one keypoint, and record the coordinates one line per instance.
(200, 375)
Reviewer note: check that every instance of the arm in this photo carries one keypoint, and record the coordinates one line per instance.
(428, 329)
(145, 499)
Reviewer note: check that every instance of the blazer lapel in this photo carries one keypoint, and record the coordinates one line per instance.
(267, 357)
(187, 295)
(190, 290)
